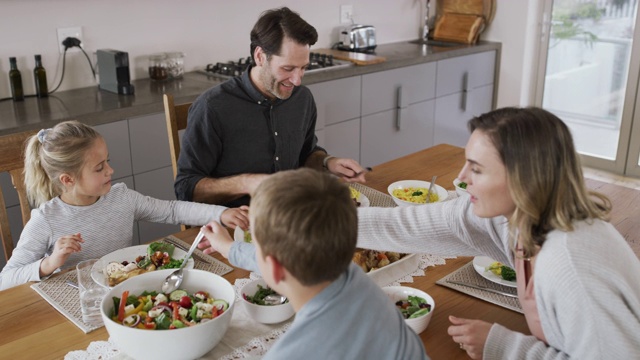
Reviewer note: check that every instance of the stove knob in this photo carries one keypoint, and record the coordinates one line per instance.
(330, 58)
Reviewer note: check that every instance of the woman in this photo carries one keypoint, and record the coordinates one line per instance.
(529, 208)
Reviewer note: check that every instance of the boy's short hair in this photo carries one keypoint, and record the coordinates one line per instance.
(307, 220)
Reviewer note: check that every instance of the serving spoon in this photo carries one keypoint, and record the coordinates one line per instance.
(173, 281)
(433, 181)
(275, 299)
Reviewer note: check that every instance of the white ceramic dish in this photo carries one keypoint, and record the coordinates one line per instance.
(402, 184)
(238, 234)
(364, 201)
(187, 343)
(129, 254)
(480, 264)
(266, 314)
(460, 191)
(394, 271)
(397, 293)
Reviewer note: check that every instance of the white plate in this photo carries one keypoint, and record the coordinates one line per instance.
(130, 254)
(238, 234)
(480, 263)
(364, 201)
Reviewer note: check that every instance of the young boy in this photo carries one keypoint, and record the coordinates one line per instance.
(304, 231)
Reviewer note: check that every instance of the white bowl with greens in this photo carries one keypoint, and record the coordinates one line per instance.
(415, 305)
(461, 187)
(252, 293)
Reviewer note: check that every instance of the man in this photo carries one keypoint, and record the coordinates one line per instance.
(258, 123)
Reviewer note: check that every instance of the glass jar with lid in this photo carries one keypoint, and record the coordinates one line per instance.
(175, 64)
(158, 66)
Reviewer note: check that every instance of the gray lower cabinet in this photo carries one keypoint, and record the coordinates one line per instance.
(383, 140)
(464, 90)
(157, 184)
(343, 139)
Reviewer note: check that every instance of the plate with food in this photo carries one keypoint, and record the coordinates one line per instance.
(360, 199)
(495, 271)
(123, 264)
(241, 235)
(385, 267)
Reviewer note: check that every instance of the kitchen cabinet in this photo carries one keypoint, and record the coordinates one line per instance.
(338, 106)
(464, 90)
(157, 184)
(397, 112)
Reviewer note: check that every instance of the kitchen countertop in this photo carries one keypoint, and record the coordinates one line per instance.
(94, 107)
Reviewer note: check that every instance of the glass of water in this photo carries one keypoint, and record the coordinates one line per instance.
(91, 292)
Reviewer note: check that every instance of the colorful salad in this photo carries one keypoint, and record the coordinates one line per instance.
(413, 307)
(157, 311)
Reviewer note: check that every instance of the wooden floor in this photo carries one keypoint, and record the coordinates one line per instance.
(600, 175)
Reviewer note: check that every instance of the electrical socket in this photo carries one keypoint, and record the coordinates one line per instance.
(346, 13)
(64, 33)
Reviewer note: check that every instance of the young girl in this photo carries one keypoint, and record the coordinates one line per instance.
(78, 214)
(529, 208)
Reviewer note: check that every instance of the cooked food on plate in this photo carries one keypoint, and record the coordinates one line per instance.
(502, 270)
(355, 195)
(416, 195)
(158, 257)
(370, 260)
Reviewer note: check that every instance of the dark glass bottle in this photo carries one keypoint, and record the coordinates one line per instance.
(40, 77)
(16, 81)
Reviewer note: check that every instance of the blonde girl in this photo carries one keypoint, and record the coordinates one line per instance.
(78, 214)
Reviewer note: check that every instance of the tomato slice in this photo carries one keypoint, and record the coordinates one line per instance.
(123, 304)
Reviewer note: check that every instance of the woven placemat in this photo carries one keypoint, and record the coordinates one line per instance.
(202, 260)
(66, 299)
(468, 274)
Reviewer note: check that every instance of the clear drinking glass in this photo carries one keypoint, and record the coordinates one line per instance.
(91, 292)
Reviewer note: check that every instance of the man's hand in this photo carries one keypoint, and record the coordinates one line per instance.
(216, 238)
(236, 217)
(348, 169)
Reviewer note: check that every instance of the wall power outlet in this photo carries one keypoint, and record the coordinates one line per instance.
(64, 33)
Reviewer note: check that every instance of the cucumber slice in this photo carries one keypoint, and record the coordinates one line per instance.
(216, 304)
(176, 295)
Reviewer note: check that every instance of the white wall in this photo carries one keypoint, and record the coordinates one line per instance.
(218, 30)
(206, 30)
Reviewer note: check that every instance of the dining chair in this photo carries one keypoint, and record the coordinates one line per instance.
(176, 118)
(12, 162)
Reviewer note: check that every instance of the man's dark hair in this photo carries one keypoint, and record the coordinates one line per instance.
(272, 27)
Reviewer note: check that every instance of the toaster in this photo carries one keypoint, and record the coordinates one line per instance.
(356, 37)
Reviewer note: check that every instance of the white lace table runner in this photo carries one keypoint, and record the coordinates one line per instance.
(247, 338)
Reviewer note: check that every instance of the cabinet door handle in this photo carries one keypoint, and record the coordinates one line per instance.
(465, 91)
(400, 105)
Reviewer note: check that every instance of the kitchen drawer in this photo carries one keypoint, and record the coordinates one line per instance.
(451, 118)
(465, 72)
(386, 90)
(149, 143)
(336, 100)
(343, 139)
(116, 135)
(382, 141)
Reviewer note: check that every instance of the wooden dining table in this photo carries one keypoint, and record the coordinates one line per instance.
(32, 329)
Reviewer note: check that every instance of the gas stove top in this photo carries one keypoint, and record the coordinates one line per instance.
(317, 62)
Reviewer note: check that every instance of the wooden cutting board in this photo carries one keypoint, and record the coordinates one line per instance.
(485, 8)
(355, 57)
(462, 28)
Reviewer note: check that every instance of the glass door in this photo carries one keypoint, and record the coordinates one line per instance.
(589, 71)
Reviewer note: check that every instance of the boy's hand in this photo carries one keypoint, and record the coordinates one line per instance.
(216, 238)
(236, 217)
(63, 248)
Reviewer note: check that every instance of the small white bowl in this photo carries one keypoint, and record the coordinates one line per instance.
(397, 293)
(187, 343)
(402, 184)
(460, 191)
(266, 314)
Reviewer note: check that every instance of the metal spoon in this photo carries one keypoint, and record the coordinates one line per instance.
(173, 281)
(274, 299)
(433, 181)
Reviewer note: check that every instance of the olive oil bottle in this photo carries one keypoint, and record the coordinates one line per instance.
(16, 81)
(40, 77)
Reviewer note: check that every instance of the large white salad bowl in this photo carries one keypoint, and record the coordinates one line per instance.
(185, 343)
